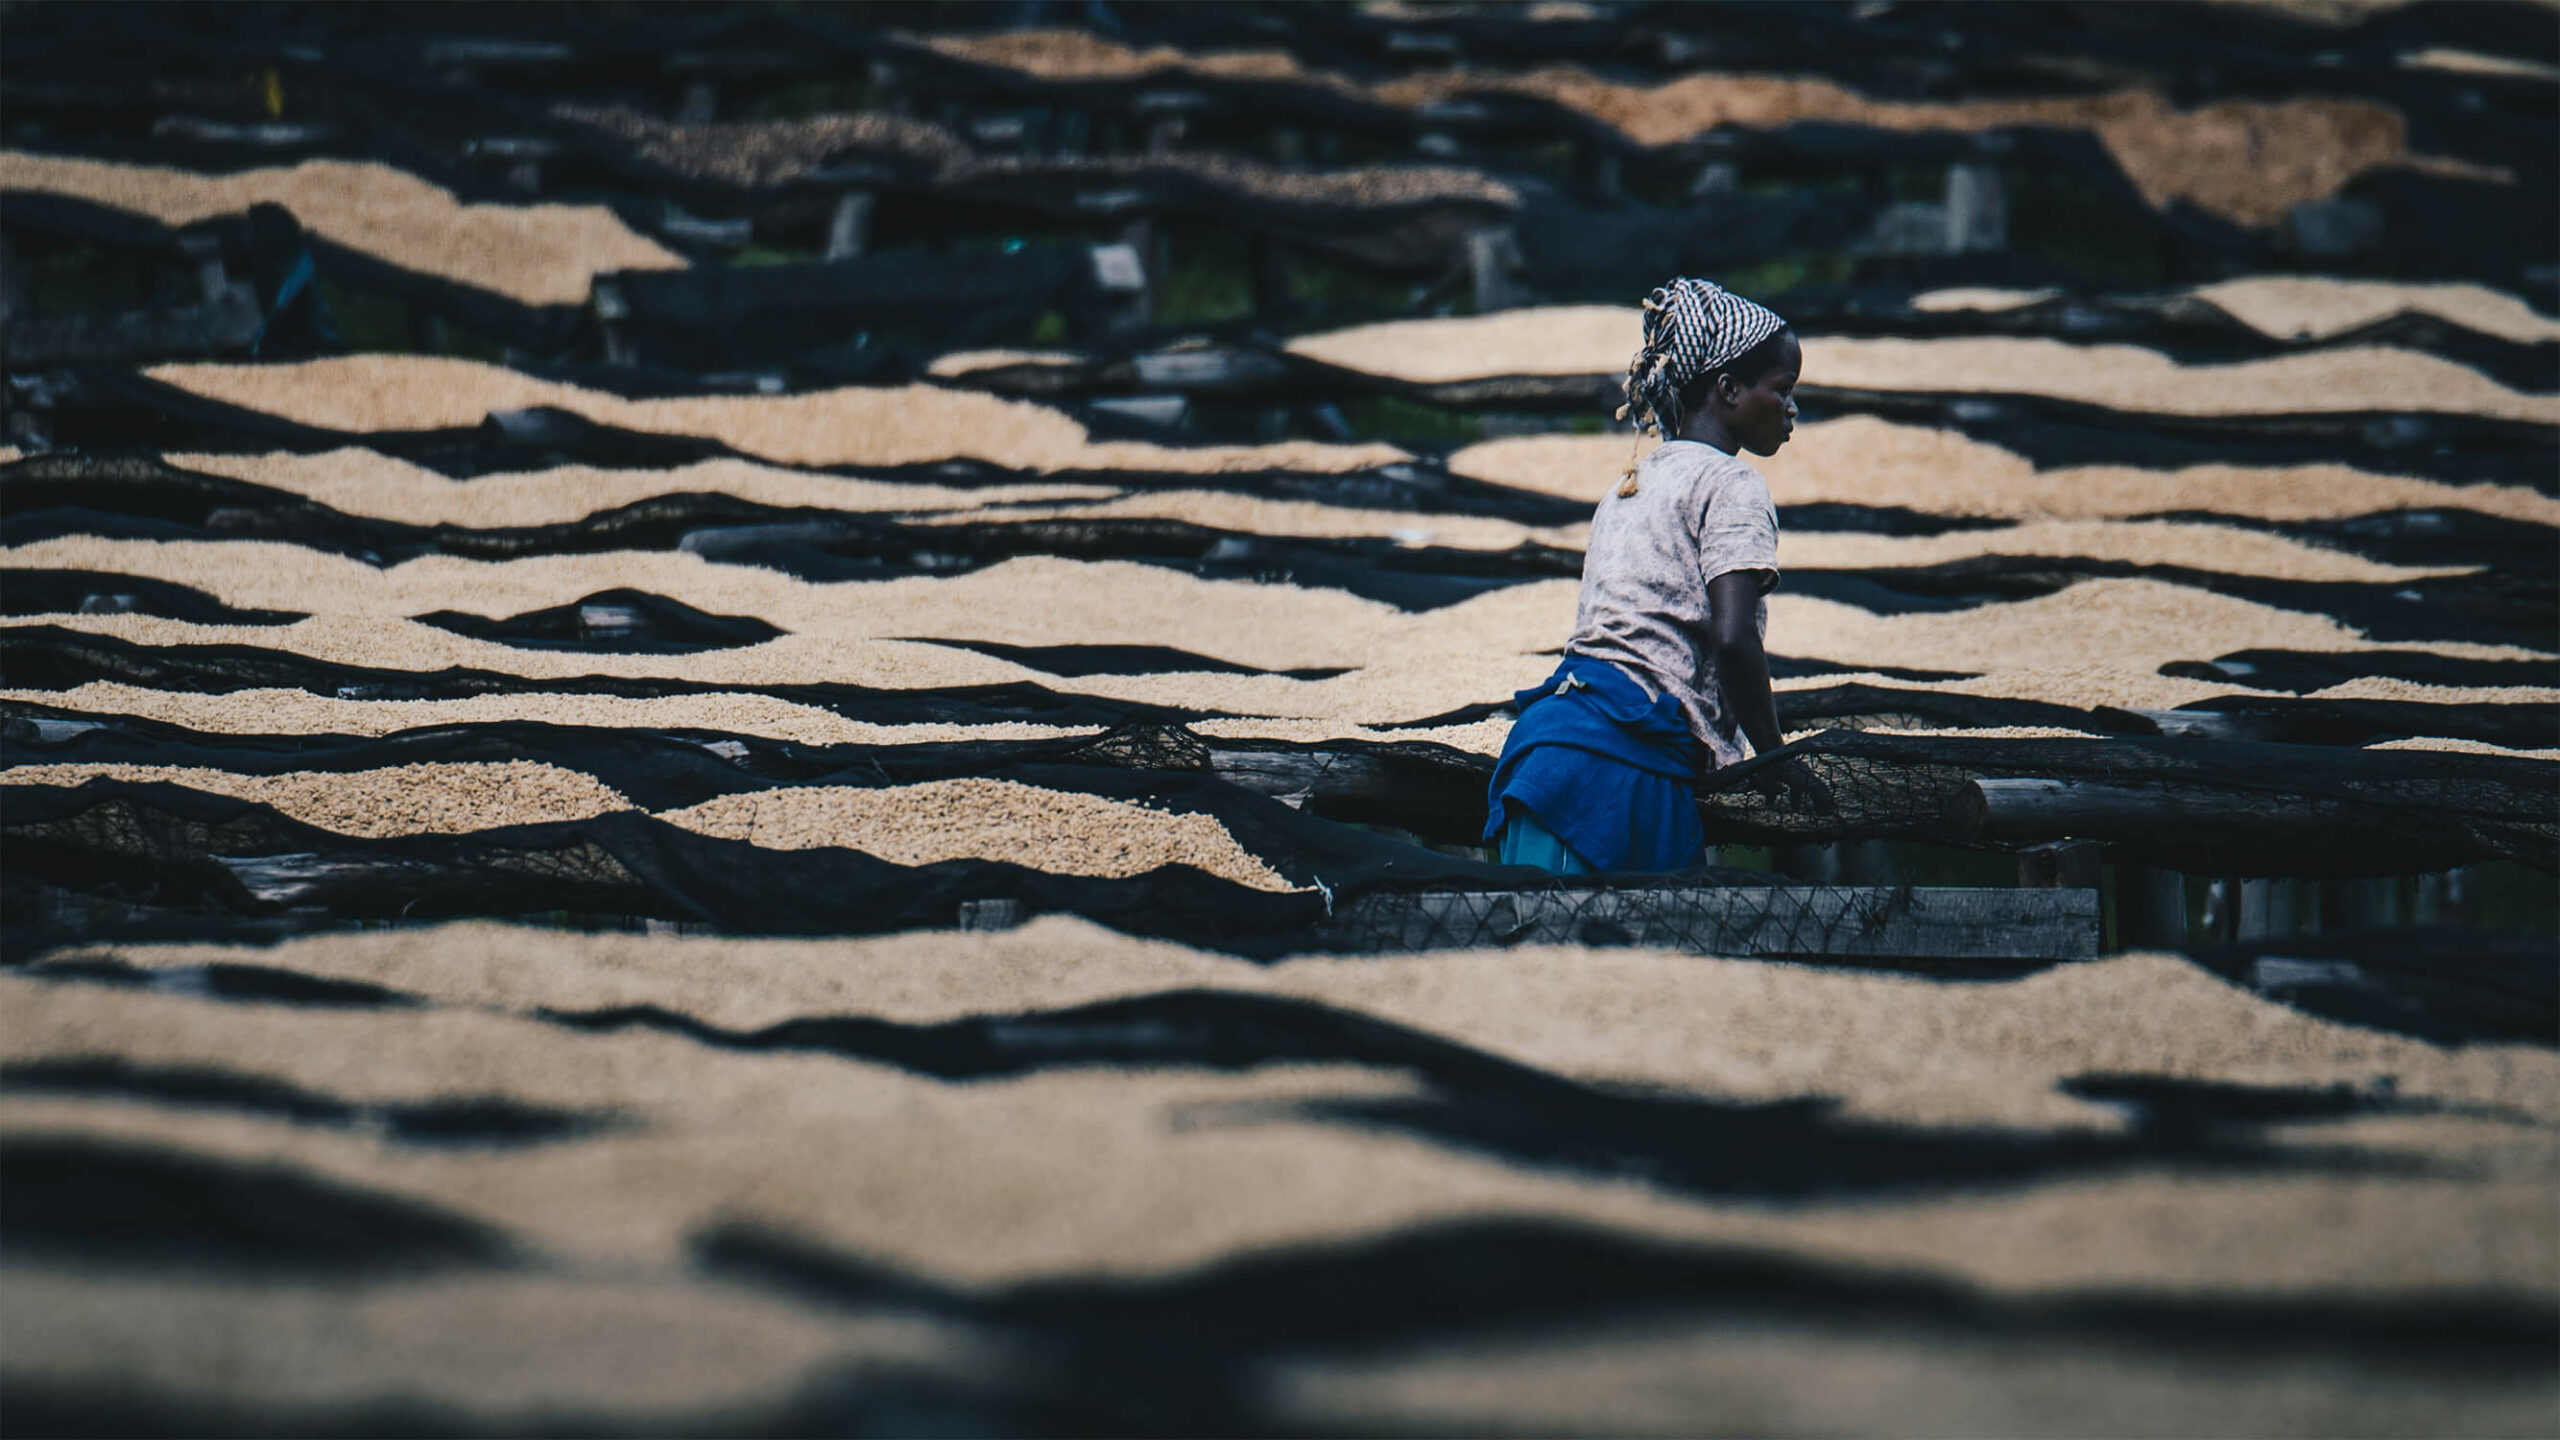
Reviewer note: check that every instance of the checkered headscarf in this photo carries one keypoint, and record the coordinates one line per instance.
(1691, 328)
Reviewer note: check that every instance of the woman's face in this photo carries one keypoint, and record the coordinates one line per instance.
(1764, 415)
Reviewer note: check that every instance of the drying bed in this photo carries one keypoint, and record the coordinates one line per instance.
(836, 783)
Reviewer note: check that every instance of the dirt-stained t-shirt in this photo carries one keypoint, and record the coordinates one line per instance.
(1697, 513)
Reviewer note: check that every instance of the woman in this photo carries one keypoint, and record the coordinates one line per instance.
(1664, 677)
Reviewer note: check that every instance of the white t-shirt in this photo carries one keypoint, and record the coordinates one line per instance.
(1697, 513)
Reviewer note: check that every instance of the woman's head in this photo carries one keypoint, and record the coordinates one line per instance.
(1714, 367)
(1750, 402)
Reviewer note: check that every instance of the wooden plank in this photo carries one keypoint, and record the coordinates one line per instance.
(1439, 800)
(2027, 810)
(1793, 922)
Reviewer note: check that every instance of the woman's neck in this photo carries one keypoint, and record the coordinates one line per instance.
(1709, 431)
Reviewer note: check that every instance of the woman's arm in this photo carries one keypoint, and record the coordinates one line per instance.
(1742, 667)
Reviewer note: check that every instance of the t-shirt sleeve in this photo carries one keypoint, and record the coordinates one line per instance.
(1739, 530)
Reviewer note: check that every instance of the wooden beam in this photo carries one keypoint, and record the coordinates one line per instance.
(2063, 864)
(849, 227)
(1491, 257)
(2025, 811)
(1132, 269)
(1791, 922)
(1442, 802)
(611, 308)
(2151, 908)
(1977, 210)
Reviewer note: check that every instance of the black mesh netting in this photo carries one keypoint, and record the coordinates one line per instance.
(1985, 931)
(179, 850)
(2202, 806)
(2519, 725)
(168, 846)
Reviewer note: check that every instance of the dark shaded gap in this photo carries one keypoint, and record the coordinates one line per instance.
(2448, 985)
(2488, 607)
(864, 1400)
(1783, 667)
(1837, 518)
(1439, 1283)
(1080, 660)
(2303, 671)
(2519, 725)
(124, 1205)
(612, 622)
(2177, 1112)
(493, 1120)
(224, 980)
(91, 592)
(2425, 537)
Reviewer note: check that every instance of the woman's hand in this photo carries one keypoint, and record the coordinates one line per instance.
(1792, 786)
